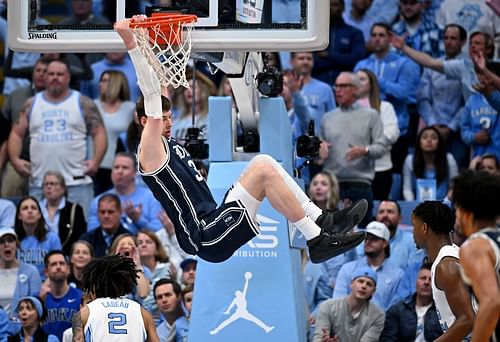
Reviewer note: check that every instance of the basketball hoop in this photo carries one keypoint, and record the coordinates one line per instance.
(165, 40)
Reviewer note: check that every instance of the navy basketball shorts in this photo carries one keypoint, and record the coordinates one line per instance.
(230, 226)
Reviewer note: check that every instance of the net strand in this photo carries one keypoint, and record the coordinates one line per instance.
(168, 61)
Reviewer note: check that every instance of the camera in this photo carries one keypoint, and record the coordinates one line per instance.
(270, 80)
(196, 147)
(308, 145)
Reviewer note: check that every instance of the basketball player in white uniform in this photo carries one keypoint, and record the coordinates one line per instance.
(432, 223)
(476, 196)
(109, 317)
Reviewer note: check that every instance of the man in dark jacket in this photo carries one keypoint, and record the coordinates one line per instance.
(347, 47)
(109, 214)
(414, 318)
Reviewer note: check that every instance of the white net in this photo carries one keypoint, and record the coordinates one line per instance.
(169, 60)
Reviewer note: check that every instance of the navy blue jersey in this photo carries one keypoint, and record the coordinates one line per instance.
(183, 193)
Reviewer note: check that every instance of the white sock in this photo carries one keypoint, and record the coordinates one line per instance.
(307, 227)
(312, 210)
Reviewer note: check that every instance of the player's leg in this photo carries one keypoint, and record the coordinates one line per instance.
(260, 180)
(339, 221)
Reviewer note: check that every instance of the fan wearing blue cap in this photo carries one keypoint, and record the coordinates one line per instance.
(354, 317)
(188, 267)
(31, 313)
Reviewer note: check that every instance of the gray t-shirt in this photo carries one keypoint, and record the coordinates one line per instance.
(334, 315)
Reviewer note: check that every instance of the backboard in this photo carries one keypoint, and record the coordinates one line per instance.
(223, 25)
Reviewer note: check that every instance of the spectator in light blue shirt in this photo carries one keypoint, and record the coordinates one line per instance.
(480, 126)
(296, 105)
(140, 208)
(21, 278)
(35, 240)
(318, 94)
(398, 79)
(167, 294)
(377, 252)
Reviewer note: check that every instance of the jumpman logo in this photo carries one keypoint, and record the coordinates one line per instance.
(241, 311)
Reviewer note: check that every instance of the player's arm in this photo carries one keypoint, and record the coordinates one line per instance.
(419, 57)
(448, 279)
(15, 142)
(152, 154)
(477, 260)
(95, 128)
(150, 326)
(78, 322)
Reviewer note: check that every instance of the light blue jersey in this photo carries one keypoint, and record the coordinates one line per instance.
(114, 320)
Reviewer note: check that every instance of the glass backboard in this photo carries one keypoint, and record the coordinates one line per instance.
(223, 25)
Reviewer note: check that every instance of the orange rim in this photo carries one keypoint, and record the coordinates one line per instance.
(165, 19)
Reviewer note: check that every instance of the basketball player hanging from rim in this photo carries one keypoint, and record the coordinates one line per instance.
(215, 233)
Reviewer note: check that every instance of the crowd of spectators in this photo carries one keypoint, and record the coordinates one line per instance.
(404, 98)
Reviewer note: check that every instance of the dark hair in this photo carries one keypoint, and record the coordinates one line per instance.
(141, 111)
(426, 266)
(387, 27)
(32, 305)
(479, 193)
(40, 231)
(51, 253)
(164, 281)
(490, 156)
(437, 215)
(110, 198)
(129, 155)
(398, 207)
(277, 58)
(440, 160)
(461, 30)
(109, 276)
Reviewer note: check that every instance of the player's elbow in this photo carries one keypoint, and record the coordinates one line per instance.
(493, 304)
(466, 321)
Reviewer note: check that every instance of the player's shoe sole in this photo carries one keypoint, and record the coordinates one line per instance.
(342, 221)
(328, 245)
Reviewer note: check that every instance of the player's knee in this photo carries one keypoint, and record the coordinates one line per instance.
(262, 159)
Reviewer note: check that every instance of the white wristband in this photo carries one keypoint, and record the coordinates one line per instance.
(148, 83)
